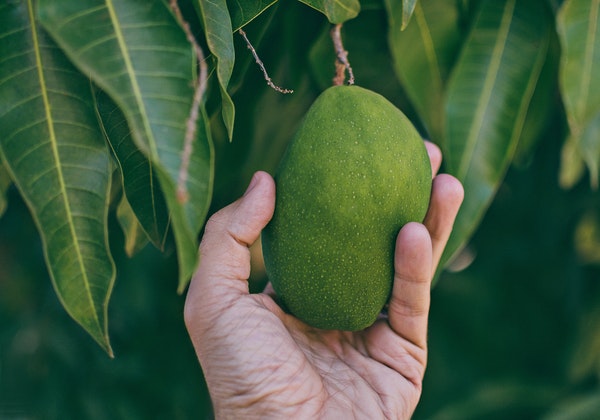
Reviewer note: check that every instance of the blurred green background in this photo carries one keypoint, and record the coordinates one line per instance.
(514, 334)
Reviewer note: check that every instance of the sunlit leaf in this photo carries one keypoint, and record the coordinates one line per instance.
(572, 166)
(488, 98)
(337, 11)
(135, 237)
(59, 161)
(423, 56)
(137, 53)
(589, 144)
(408, 8)
(5, 182)
(578, 25)
(244, 11)
(219, 37)
(139, 181)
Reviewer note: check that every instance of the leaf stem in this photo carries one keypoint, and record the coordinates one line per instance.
(192, 121)
(342, 65)
(261, 65)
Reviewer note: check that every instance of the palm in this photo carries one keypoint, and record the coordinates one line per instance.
(303, 371)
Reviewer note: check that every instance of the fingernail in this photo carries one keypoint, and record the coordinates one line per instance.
(253, 183)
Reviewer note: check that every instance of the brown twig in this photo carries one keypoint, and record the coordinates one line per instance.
(261, 65)
(192, 121)
(342, 65)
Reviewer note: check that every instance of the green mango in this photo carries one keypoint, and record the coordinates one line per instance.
(355, 173)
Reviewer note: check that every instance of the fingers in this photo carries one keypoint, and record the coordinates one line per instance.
(224, 255)
(446, 197)
(435, 156)
(418, 252)
(409, 304)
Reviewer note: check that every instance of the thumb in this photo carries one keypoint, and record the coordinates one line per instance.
(224, 255)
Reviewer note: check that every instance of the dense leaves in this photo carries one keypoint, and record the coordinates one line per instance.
(58, 159)
(139, 55)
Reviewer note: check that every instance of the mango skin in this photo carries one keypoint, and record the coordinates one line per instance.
(354, 174)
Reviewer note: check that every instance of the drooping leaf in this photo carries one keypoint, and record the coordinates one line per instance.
(589, 145)
(243, 12)
(578, 25)
(423, 56)
(219, 37)
(488, 98)
(135, 236)
(337, 11)
(572, 166)
(408, 8)
(543, 104)
(403, 9)
(5, 182)
(137, 53)
(58, 159)
(140, 185)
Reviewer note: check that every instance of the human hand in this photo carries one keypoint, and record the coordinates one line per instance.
(260, 362)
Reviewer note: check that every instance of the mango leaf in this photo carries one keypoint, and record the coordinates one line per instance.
(588, 143)
(337, 11)
(135, 236)
(243, 12)
(578, 25)
(572, 166)
(543, 104)
(56, 155)
(404, 9)
(5, 183)
(423, 56)
(138, 54)
(219, 37)
(488, 98)
(139, 180)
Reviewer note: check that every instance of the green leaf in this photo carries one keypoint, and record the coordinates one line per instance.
(219, 37)
(589, 144)
(488, 98)
(337, 11)
(137, 53)
(572, 166)
(244, 11)
(578, 25)
(408, 7)
(423, 56)
(135, 236)
(60, 163)
(543, 104)
(139, 181)
(5, 182)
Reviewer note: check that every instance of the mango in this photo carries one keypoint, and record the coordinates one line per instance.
(355, 173)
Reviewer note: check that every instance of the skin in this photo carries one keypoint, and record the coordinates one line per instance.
(260, 362)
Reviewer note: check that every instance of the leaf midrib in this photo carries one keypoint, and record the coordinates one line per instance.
(133, 80)
(488, 85)
(428, 44)
(56, 156)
